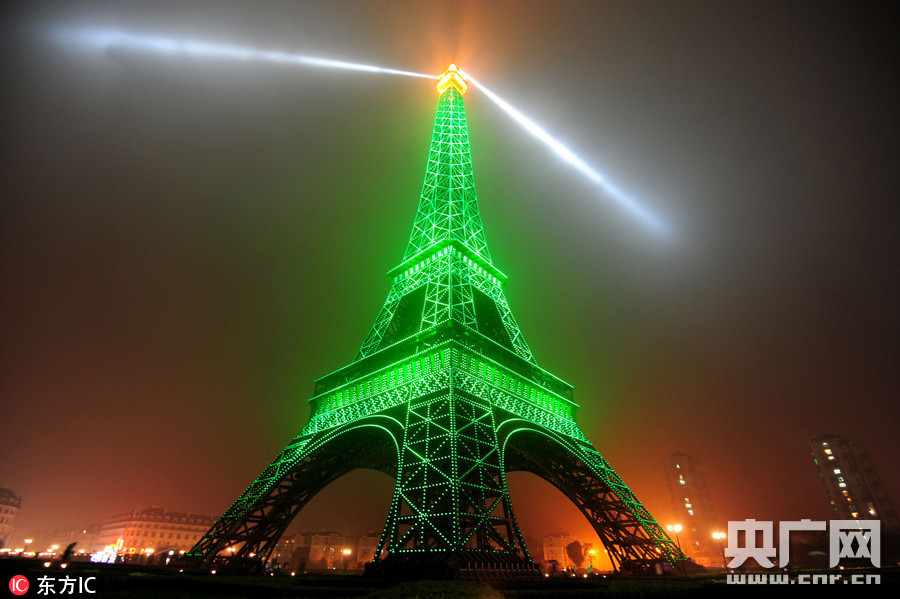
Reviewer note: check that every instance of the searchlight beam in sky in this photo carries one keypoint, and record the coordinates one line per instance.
(102, 39)
(631, 205)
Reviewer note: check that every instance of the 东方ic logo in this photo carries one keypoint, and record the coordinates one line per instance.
(18, 585)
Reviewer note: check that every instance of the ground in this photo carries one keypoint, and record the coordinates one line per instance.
(117, 582)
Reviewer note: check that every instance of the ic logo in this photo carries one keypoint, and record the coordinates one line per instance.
(18, 585)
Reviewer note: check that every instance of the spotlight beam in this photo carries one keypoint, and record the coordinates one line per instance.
(630, 204)
(103, 39)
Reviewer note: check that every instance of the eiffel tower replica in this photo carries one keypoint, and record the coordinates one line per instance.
(446, 397)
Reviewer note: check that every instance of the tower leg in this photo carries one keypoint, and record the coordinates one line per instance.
(634, 540)
(246, 535)
(451, 516)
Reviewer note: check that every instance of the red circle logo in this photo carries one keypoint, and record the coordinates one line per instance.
(18, 585)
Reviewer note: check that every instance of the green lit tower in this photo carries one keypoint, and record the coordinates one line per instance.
(446, 397)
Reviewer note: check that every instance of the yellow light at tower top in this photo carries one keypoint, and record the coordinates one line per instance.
(451, 77)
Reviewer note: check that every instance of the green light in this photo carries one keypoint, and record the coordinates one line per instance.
(447, 387)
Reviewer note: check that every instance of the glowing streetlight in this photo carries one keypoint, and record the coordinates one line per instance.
(591, 554)
(676, 528)
(345, 552)
(720, 536)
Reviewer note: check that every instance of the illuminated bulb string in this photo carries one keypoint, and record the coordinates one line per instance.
(102, 39)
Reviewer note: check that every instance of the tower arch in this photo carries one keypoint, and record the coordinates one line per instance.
(628, 532)
(246, 535)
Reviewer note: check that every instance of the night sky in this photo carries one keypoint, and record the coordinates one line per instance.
(186, 243)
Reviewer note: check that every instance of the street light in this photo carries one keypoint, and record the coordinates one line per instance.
(676, 528)
(719, 536)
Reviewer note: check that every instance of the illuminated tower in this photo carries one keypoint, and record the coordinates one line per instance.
(446, 397)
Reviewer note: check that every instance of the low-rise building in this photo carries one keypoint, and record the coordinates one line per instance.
(152, 530)
(9, 511)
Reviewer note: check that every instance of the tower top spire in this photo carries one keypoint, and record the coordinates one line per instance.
(451, 78)
(448, 206)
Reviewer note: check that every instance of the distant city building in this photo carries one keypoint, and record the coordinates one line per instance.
(692, 508)
(368, 544)
(554, 547)
(152, 530)
(84, 537)
(325, 551)
(9, 511)
(851, 483)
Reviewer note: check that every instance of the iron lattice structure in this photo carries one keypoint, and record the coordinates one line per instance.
(446, 397)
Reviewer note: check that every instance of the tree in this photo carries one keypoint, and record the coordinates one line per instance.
(575, 553)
